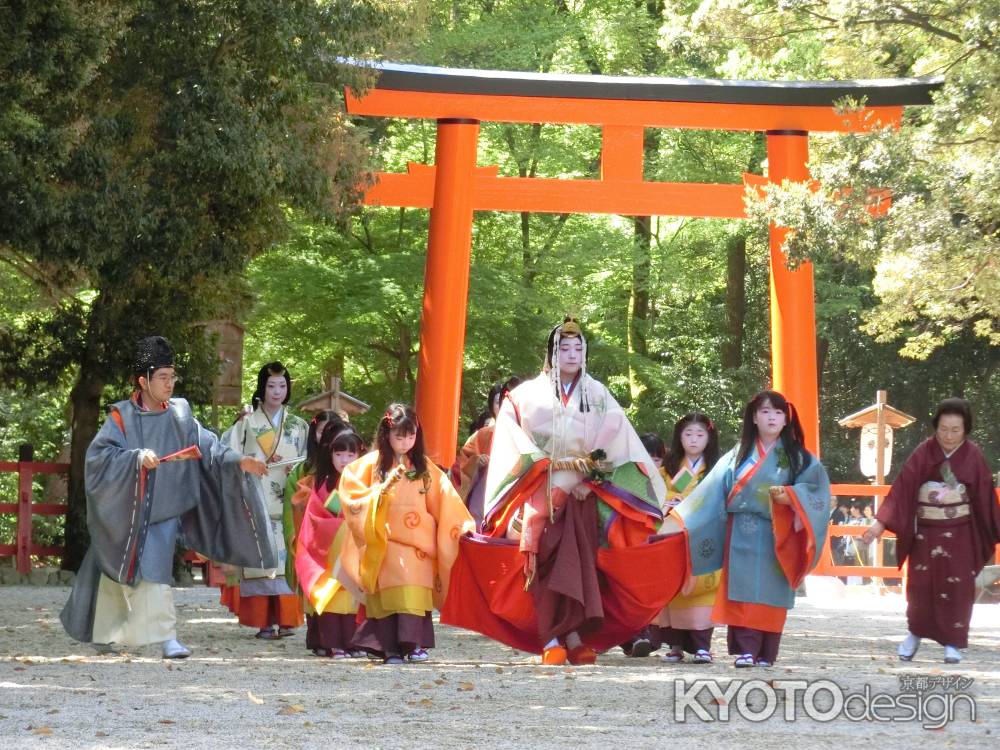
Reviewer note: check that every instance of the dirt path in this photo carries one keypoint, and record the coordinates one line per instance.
(237, 692)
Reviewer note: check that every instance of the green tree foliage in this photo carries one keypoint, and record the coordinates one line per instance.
(148, 149)
(529, 270)
(937, 253)
(920, 282)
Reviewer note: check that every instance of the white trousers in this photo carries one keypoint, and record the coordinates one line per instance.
(134, 615)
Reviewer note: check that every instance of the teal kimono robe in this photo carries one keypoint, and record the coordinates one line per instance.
(765, 549)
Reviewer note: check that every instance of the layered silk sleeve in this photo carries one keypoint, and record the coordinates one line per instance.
(453, 521)
(800, 528)
(359, 494)
(319, 547)
(898, 513)
(467, 462)
(985, 508)
(517, 467)
(987, 515)
(112, 477)
(703, 514)
(229, 524)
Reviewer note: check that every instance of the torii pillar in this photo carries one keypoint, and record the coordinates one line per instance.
(446, 283)
(794, 370)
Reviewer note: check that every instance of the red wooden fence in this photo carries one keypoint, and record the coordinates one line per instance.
(23, 548)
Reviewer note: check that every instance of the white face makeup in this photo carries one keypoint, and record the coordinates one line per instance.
(342, 458)
(275, 391)
(401, 442)
(950, 431)
(694, 440)
(570, 357)
(770, 421)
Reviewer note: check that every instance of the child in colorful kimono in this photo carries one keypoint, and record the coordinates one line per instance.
(263, 598)
(298, 489)
(686, 623)
(332, 623)
(405, 520)
(760, 515)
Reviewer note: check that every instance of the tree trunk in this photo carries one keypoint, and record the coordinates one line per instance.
(638, 304)
(528, 259)
(86, 401)
(403, 372)
(822, 352)
(736, 302)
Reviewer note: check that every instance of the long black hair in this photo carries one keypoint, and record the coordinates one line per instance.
(399, 417)
(326, 417)
(654, 446)
(486, 414)
(337, 436)
(271, 368)
(672, 463)
(498, 392)
(792, 437)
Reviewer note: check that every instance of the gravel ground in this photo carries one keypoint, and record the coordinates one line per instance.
(238, 692)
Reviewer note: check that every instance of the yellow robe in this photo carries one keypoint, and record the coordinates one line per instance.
(692, 608)
(403, 539)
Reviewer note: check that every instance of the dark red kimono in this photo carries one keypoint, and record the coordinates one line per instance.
(948, 533)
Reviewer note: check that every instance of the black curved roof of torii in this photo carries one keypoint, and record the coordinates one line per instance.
(877, 92)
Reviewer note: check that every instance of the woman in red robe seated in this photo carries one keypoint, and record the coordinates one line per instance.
(944, 513)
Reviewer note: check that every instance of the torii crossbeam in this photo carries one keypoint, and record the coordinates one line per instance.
(454, 187)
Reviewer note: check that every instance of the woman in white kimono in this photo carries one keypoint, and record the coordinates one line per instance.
(263, 599)
(572, 497)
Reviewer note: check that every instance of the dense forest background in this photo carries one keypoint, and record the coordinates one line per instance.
(169, 163)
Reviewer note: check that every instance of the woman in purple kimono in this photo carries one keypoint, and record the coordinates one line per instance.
(944, 513)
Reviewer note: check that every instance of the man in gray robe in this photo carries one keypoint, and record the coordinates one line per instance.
(153, 474)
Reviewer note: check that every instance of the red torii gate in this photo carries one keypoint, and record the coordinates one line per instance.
(454, 187)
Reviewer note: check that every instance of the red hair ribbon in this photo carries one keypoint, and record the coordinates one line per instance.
(388, 418)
